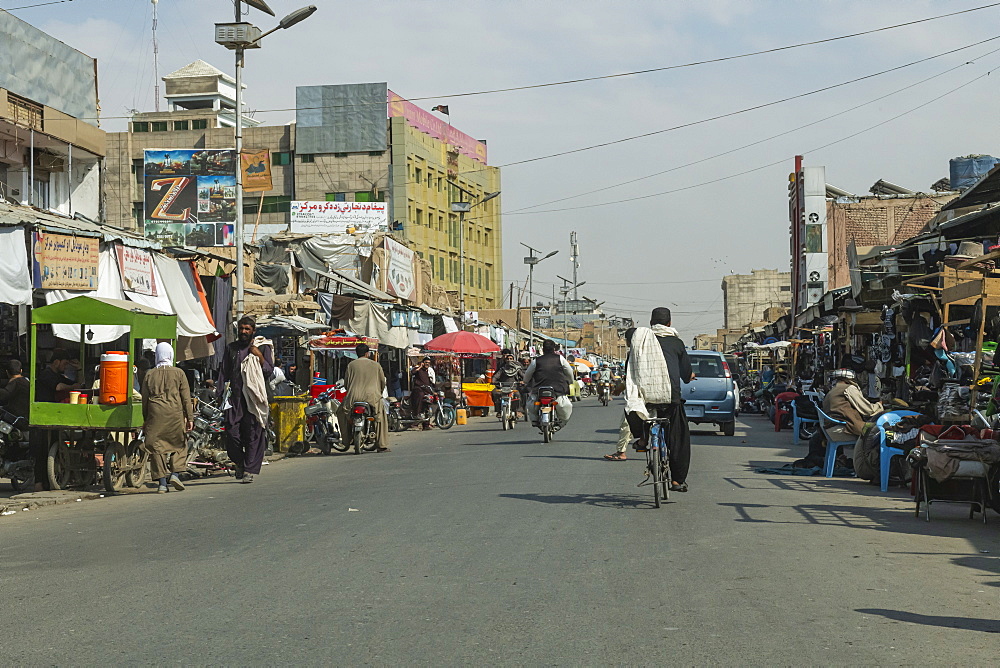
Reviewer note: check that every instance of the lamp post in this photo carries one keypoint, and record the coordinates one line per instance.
(462, 208)
(565, 293)
(531, 261)
(239, 37)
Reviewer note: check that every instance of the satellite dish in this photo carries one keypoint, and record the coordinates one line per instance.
(261, 5)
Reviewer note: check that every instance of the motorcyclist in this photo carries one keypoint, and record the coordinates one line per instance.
(509, 373)
(421, 385)
(550, 370)
(604, 374)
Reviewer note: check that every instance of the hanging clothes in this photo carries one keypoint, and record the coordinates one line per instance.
(15, 277)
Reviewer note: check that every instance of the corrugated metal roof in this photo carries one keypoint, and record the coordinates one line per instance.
(12, 214)
(985, 191)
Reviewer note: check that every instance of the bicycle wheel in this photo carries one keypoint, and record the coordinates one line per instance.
(116, 466)
(654, 472)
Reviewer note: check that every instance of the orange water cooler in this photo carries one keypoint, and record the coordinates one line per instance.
(114, 378)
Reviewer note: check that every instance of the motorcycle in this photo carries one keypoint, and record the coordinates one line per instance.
(15, 459)
(401, 413)
(321, 427)
(507, 415)
(206, 442)
(364, 427)
(548, 420)
(604, 393)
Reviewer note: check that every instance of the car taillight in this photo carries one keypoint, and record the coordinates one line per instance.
(725, 369)
(359, 410)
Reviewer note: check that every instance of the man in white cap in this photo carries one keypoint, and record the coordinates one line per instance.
(844, 402)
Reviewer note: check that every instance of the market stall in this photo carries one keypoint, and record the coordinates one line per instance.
(466, 359)
(330, 353)
(91, 432)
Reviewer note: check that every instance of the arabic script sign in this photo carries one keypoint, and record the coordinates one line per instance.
(63, 262)
(136, 266)
(336, 217)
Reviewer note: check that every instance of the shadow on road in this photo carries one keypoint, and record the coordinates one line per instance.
(599, 500)
(967, 623)
(589, 459)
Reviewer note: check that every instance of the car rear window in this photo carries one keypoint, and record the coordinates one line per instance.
(707, 367)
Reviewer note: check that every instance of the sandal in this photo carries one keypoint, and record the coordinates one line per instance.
(382, 450)
(678, 487)
(616, 457)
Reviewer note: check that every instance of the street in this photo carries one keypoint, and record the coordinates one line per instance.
(479, 546)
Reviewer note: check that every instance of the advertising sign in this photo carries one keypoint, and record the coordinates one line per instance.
(190, 197)
(62, 262)
(336, 217)
(427, 122)
(399, 270)
(136, 266)
(256, 168)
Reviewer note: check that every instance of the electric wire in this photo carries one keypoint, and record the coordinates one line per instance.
(768, 165)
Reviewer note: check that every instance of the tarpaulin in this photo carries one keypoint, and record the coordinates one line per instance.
(109, 285)
(184, 298)
(274, 276)
(373, 320)
(15, 279)
(221, 313)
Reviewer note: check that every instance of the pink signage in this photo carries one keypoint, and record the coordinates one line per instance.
(427, 122)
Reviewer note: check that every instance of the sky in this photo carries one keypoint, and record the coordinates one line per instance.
(704, 207)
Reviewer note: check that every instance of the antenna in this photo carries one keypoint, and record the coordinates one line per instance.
(156, 62)
(575, 257)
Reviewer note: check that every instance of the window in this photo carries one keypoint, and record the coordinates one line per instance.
(138, 214)
(281, 158)
(276, 204)
(420, 217)
(336, 197)
(375, 154)
(440, 184)
(418, 175)
(139, 169)
(180, 125)
(440, 226)
(340, 155)
(140, 126)
(489, 286)
(307, 157)
(199, 124)
(432, 266)
(430, 180)
(441, 268)
(363, 197)
(158, 126)
(486, 238)
(479, 270)
(705, 366)
(785, 288)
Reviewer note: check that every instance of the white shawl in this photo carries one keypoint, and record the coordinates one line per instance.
(254, 386)
(648, 379)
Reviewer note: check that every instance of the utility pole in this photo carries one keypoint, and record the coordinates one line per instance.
(531, 261)
(575, 250)
(565, 289)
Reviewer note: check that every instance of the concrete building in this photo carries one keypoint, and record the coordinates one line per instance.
(747, 296)
(349, 143)
(51, 146)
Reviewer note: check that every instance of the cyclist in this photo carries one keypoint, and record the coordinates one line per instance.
(657, 364)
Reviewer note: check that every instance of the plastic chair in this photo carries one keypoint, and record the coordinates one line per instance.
(797, 423)
(885, 451)
(779, 414)
(831, 445)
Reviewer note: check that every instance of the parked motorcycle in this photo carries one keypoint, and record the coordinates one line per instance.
(507, 413)
(548, 420)
(401, 413)
(365, 427)
(15, 456)
(322, 427)
(206, 442)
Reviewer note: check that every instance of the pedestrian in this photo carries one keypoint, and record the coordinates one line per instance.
(657, 365)
(15, 395)
(246, 367)
(365, 382)
(624, 431)
(167, 417)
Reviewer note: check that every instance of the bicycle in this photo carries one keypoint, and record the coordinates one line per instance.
(657, 460)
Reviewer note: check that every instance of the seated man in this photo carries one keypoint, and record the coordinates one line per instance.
(365, 382)
(844, 402)
(510, 373)
(550, 370)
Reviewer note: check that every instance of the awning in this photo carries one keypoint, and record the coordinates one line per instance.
(287, 324)
(346, 285)
(50, 222)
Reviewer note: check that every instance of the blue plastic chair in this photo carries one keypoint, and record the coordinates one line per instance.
(797, 423)
(885, 451)
(831, 445)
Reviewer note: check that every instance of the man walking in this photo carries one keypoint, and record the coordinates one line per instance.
(365, 382)
(657, 364)
(167, 417)
(247, 368)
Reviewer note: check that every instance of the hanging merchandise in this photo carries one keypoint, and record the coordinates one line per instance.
(15, 278)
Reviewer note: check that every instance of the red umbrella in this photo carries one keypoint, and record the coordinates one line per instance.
(461, 342)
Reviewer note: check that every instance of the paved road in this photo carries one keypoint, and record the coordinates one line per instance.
(476, 546)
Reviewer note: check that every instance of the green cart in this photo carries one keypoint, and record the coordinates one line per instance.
(90, 442)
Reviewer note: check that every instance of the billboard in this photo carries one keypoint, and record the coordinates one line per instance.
(190, 196)
(427, 122)
(399, 275)
(61, 262)
(336, 217)
(256, 168)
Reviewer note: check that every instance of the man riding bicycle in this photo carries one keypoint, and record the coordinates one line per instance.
(657, 364)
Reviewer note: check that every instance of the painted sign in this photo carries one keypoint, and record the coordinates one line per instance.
(190, 197)
(136, 266)
(427, 122)
(399, 274)
(62, 262)
(256, 168)
(336, 217)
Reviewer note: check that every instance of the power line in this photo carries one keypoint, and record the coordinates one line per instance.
(741, 111)
(759, 141)
(40, 4)
(768, 165)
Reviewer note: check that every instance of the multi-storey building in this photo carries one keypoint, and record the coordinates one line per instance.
(350, 143)
(747, 296)
(51, 144)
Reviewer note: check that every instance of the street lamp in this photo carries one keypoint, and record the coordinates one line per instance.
(531, 261)
(462, 208)
(565, 293)
(239, 37)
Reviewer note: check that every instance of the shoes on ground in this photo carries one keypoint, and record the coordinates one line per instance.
(176, 483)
(162, 489)
(247, 478)
(239, 472)
(678, 487)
